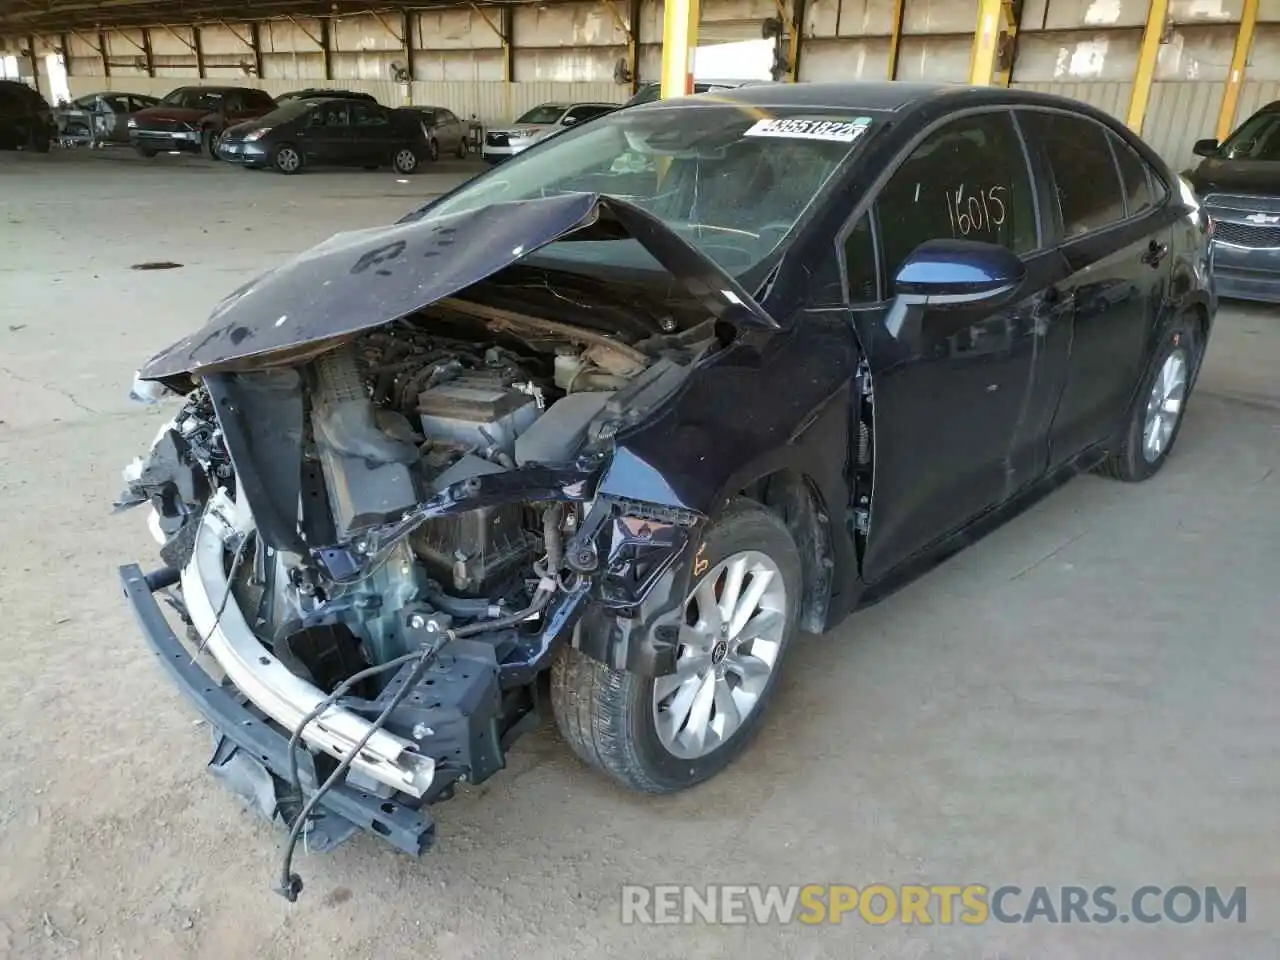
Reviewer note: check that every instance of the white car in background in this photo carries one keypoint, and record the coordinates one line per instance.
(538, 124)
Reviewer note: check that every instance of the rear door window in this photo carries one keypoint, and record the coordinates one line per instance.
(1085, 178)
(367, 114)
(1134, 175)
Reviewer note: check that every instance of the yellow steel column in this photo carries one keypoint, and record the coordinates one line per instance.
(679, 40)
(1157, 13)
(1235, 77)
(895, 39)
(986, 41)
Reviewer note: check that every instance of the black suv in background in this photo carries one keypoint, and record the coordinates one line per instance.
(26, 122)
(1239, 183)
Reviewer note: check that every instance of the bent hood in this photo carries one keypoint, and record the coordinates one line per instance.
(166, 112)
(368, 278)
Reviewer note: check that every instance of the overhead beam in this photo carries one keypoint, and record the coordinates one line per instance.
(65, 41)
(508, 19)
(630, 28)
(407, 18)
(895, 38)
(1148, 53)
(633, 44)
(255, 44)
(197, 47)
(326, 50)
(102, 51)
(679, 40)
(1235, 75)
(147, 55)
(795, 40)
(35, 63)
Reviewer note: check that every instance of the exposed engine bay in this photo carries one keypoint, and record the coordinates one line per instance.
(385, 595)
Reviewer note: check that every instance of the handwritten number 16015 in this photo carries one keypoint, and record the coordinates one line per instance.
(979, 212)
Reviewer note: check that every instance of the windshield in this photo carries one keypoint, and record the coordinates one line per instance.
(730, 179)
(1258, 138)
(547, 113)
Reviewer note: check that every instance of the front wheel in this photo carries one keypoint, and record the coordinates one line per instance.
(1153, 422)
(210, 140)
(147, 152)
(286, 158)
(405, 160)
(462, 148)
(661, 734)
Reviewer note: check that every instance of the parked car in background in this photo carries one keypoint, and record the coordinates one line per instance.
(632, 411)
(100, 117)
(327, 130)
(649, 92)
(312, 92)
(1239, 182)
(444, 131)
(192, 119)
(501, 143)
(26, 122)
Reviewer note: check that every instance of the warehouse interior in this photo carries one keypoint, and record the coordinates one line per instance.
(1085, 695)
(1175, 70)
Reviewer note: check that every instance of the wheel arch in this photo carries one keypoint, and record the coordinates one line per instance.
(794, 496)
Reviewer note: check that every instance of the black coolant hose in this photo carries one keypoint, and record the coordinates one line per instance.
(329, 701)
(290, 883)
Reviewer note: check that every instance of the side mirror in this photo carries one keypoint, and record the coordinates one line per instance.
(950, 273)
(568, 121)
(1206, 148)
(945, 274)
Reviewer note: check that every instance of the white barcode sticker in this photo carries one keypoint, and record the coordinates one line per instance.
(799, 128)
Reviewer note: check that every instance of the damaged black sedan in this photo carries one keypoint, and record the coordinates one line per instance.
(598, 432)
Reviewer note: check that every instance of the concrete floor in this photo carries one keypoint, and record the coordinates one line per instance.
(1085, 697)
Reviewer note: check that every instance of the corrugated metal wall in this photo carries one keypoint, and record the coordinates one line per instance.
(1084, 49)
(489, 102)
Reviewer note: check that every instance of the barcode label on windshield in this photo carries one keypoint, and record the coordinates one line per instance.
(841, 131)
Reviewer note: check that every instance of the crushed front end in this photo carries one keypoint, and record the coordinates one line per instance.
(378, 540)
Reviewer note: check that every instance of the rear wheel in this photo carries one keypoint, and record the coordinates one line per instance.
(433, 150)
(286, 158)
(1153, 421)
(462, 148)
(661, 734)
(405, 160)
(147, 152)
(39, 139)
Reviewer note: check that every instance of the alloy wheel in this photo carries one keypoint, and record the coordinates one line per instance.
(406, 161)
(1164, 405)
(287, 159)
(730, 640)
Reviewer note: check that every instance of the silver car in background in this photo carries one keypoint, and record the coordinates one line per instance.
(539, 123)
(100, 118)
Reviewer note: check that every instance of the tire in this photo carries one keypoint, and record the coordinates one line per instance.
(287, 159)
(147, 152)
(462, 148)
(40, 139)
(405, 161)
(209, 143)
(433, 150)
(1137, 456)
(611, 718)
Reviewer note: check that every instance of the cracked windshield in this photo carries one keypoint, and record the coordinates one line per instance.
(731, 181)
